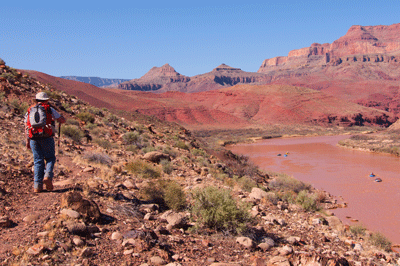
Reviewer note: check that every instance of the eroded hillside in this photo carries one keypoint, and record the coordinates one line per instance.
(132, 190)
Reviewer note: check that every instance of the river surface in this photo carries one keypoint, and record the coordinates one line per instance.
(340, 171)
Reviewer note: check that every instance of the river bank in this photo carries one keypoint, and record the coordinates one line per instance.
(323, 165)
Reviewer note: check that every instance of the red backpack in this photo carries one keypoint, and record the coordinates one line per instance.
(39, 121)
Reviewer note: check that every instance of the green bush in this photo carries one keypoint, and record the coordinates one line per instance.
(174, 196)
(54, 95)
(105, 144)
(181, 145)
(198, 152)
(215, 208)
(170, 151)
(357, 230)
(287, 196)
(72, 122)
(166, 166)
(95, 111)
(380, 241)
(143, 169)
(72, 132)
(307, 201)
(246, 183)
(86, 117)
(284, 182)
(21, 107)
(132, 138)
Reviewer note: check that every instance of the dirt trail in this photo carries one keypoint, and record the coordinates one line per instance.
(29, 211)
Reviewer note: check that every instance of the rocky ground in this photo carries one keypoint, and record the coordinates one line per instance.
(112, 202)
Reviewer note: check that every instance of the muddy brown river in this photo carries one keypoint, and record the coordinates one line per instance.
(340, 171)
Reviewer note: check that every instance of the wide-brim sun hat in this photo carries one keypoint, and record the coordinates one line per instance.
(42, 96)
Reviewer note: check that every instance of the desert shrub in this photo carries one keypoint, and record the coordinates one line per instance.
(379, 240)
(2, 62)
(105, 144)
(357, 230)
(91, 126)
(246, 183)
(284, 182)
(132, 138)
(361, 137)
(72, 122)
(8, 76)
(95, 111)
(287, 196)
(66, 107)
(198, 152)
(143, 169)
(215, 208)
(148, 149)
(132, 148)
(185, 159)
(86, 117)
(203, 162)
(166, 166)
(181, 145)
(21, 107)
(153, 192)
(272, 197)
(174, 196)
(72, 132)
(54, 95)
(170, 151)
(307, 201)
(100, 158)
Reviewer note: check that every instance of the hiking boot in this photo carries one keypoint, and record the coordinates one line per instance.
(48, 183)
(38, 189)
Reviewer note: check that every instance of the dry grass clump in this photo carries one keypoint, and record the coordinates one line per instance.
(86, 117)
(358, 230)
(166, 166)
(379, 240)
(99, 158)
(20, 106)
(284, 183)
(215, 208)
(308, 201)
(174, 196)
(167, 193)
(143, 169)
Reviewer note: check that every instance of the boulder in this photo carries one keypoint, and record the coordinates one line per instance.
(87, 208)
(245, 241)
(5, 221)
(257, 193)
(156, 156)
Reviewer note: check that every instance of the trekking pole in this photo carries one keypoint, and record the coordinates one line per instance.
(59, 135)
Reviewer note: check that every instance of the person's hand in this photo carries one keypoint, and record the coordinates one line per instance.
(28, 144)
(61, 120)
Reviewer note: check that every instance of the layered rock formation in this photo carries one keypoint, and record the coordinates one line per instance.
(165, 78)
(362, 66)
(157, 78)
(96, 81)
(360, 44)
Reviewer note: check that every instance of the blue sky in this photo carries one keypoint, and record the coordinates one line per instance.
(125, 39)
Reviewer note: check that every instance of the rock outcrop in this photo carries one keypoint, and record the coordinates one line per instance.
(157, 78)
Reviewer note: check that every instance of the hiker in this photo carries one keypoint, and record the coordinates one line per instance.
(39, 131)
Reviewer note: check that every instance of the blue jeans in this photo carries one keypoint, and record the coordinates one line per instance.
(44, 158)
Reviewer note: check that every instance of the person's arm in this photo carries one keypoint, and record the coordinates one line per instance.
(57, 116)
